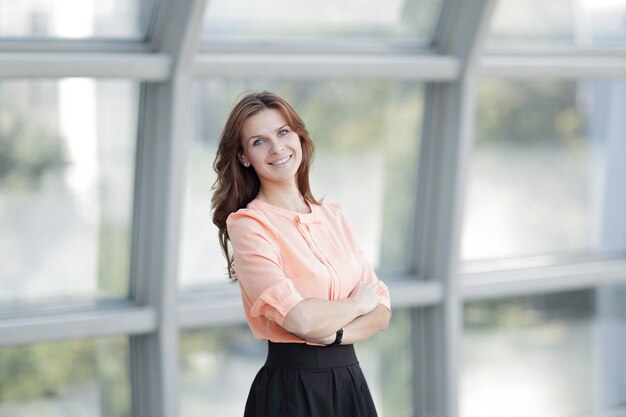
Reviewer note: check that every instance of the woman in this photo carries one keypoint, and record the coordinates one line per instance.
(306, 286)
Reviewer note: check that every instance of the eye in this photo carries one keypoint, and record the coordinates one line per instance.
(282, 132)
(258, 142)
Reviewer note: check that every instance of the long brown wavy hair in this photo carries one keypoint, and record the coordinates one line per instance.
(236, 185)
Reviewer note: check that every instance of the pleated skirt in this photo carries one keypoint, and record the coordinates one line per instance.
(300, 380)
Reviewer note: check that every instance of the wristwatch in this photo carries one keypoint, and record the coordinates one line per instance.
(337, 338)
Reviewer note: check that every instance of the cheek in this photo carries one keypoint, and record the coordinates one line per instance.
(301, 149)
(253, 154)
(297, 145)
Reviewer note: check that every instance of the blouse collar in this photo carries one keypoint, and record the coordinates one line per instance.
(301, 218)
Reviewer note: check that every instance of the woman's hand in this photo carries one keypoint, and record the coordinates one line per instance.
(365, 295)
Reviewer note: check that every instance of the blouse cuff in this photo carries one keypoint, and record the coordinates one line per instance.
(276, 301)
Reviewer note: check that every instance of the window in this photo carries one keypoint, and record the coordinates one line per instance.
(545, 355)
(411, 21)
(59, 19)
(80, 377)
(545, 171)
(580, 23)
(66, 176)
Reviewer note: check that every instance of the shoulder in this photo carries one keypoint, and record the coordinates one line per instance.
(334, 210)
(247, 220)
(338, 221)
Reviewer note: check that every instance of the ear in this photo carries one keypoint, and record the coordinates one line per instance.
(243, 160)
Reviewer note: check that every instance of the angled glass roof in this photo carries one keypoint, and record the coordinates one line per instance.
(71, 19)
(578, 23)
(287, 20)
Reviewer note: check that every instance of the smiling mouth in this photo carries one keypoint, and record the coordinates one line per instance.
(281, 161)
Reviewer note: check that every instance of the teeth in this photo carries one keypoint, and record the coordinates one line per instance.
(281, 161)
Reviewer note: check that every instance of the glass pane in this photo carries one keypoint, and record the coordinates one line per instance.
(83, 19)
(367, 136)
(67, 151)
(564, 22)
(86, 378)
(547, 171)
(218, 365)
(545, 356)
(393, 20)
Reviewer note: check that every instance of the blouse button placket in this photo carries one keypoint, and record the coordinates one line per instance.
(305, 230)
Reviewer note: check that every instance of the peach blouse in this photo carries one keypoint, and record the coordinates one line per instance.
(282, 257)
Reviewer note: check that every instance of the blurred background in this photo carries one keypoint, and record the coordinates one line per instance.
(476, 145)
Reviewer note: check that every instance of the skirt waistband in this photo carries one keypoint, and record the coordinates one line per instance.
(303, 356)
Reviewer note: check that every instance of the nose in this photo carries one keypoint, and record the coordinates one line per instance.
(277, 147)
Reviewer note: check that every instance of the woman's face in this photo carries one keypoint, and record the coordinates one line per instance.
(271, 147)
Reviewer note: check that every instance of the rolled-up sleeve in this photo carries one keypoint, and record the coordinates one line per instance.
(259, 268)
(369, 275)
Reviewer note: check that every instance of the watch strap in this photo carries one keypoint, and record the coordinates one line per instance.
(338, 338)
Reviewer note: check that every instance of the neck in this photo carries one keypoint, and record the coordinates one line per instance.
(285, 196)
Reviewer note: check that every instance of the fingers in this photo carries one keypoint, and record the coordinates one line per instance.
(366, 296)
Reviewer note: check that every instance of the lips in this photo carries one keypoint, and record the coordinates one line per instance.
(281, 161)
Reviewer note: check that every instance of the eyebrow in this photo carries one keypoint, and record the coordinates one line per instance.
(260, 136)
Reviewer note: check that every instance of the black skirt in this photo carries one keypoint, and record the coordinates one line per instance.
(300, 380)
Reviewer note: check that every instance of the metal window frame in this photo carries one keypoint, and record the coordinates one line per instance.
(431, 67)
(114, 321)
(163, 141)
(573, 65)
(448, 138)
(139, 66)
(500, 284)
